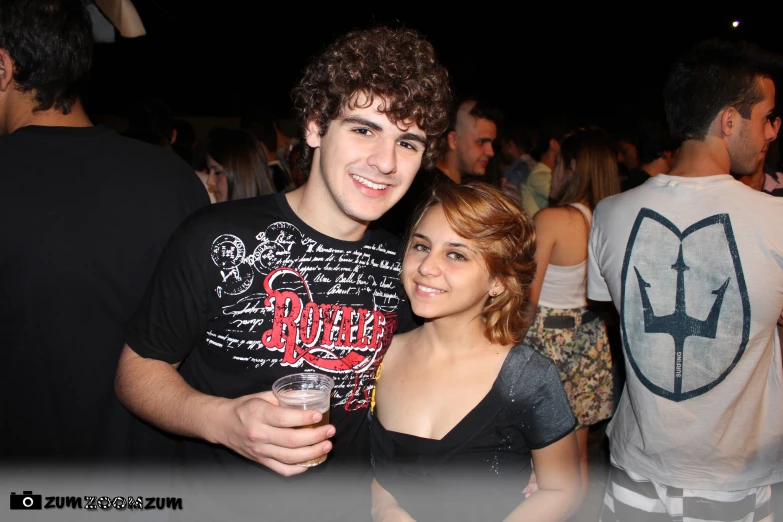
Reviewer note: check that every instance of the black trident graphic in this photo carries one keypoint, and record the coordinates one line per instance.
(679, 324)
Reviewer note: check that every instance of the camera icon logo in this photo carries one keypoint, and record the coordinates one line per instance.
(26, 501)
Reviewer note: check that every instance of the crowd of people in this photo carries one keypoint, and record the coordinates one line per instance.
(481, 291)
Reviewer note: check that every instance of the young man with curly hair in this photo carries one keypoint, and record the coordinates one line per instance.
(252, 290)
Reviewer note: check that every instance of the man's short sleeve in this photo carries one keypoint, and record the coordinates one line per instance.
(173, 313)
(597, 289)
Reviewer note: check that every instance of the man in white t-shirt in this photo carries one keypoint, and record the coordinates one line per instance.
(693, 261)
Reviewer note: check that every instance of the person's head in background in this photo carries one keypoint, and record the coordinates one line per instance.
(467, 147)
(46, 50)
(731, 126)
(657, 150)
(237, 166)
(260, 122)
(628, 152)
(516, 141)
(585, 169)
(274, 129)
(551, 132)
(263, 127)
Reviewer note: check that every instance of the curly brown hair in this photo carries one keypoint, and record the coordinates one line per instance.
(396, 64)
(504, 236)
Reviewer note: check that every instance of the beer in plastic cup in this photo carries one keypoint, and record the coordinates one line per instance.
(306, 391)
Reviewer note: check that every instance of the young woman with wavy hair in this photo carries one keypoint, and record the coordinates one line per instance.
(461, 406)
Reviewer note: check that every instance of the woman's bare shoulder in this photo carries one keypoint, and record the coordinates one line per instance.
(551, 221)
(557, 213)
(558, 218)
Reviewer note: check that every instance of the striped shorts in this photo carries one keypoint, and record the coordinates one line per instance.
(632, 498)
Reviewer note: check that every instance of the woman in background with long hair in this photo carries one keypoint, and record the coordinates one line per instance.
(563, 328)
(237, 166)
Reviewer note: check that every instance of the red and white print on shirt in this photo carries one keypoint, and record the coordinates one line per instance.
(291, 301)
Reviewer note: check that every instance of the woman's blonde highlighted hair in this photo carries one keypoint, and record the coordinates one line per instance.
(505, 238)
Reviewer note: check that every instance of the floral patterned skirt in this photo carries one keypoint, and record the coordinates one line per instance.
(581, 353)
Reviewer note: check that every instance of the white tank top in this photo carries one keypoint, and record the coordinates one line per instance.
(565, 287)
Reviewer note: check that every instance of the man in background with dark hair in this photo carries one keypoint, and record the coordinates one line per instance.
(693, 261)
(463, 150)
(88, 218)
(468, 142)
(657, 152)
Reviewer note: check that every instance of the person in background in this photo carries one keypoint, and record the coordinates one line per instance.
(237, 166)
(563, 327)
(693, 262)
(657, 152)
(262, 125)
(535, 189)
(516, 143)
(463, 151)
(82, 234)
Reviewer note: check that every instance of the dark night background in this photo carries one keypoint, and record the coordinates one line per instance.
(599, 65)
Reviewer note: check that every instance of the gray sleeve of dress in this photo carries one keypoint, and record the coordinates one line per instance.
(537, 400)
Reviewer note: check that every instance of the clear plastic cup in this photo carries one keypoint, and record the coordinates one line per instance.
(306, 391)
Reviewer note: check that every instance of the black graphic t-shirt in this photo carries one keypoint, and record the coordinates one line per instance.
(246, 293)
(85, 216)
